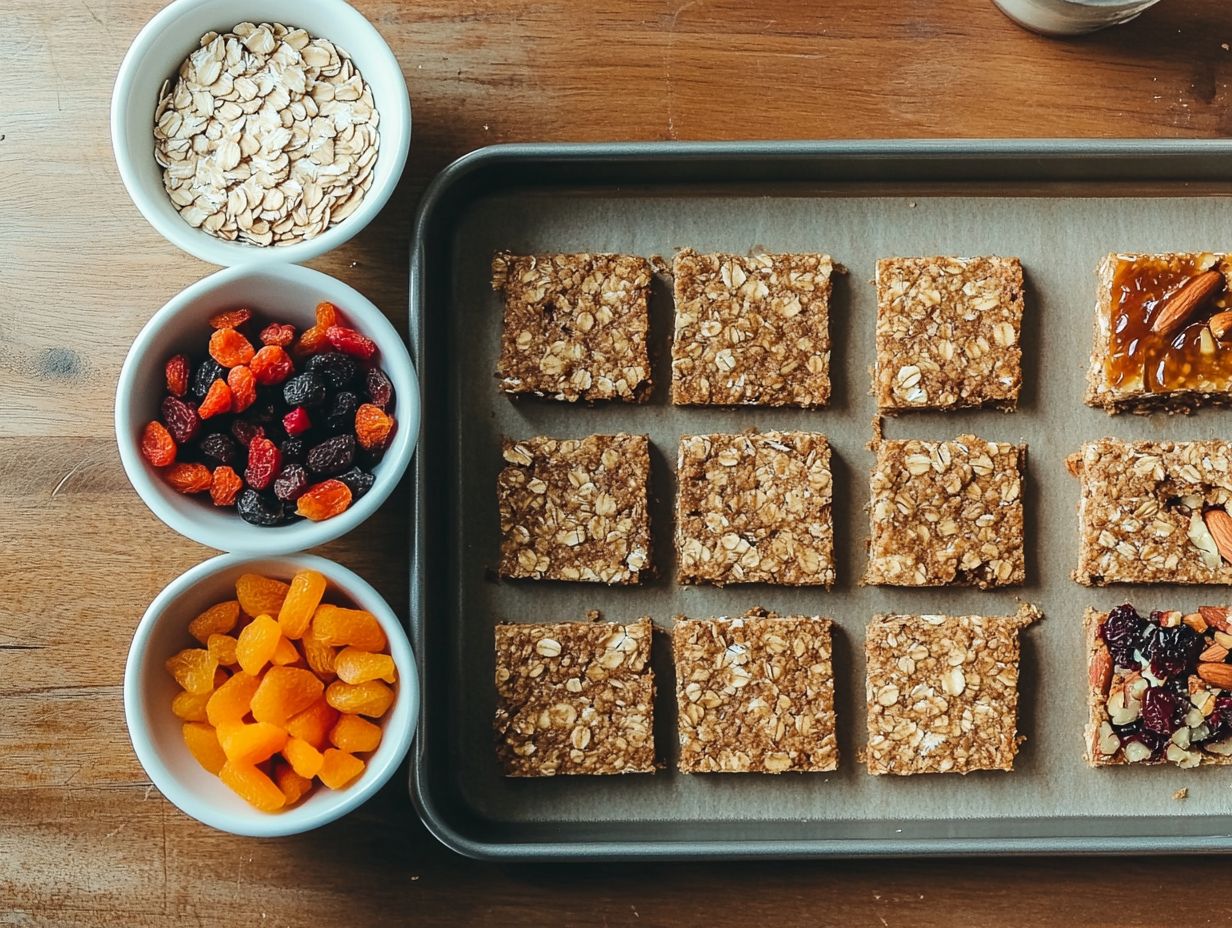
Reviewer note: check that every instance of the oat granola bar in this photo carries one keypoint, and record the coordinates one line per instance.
(575, 326)
(947, 512)
(751, 330)
(576, 509)
(948, 333)
(1163, 335)
(1154, 512)
(1160, 687)
(755, 694)
(755, 508)
(574, 698)
(943, 692)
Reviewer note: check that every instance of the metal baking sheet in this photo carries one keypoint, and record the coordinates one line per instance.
(1057, 205)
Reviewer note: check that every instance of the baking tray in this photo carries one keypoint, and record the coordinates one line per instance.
(1057, 204)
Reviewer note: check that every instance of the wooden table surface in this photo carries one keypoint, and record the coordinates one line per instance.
(84, 838)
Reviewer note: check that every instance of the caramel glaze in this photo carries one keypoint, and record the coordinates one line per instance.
(1139, 359)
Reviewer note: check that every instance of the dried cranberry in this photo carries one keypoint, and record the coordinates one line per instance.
(352, 342)
(332, 456)
(341, 414)
(380, 388)
(177, 372)
(219, 447)
(359, 481)
(245, 431)
(1154, 740)
(1122, 633)
(293, 450)
(1173, 650)
(264, 461)
(181, 419)
(335, 368)
(306, 389)
(291, 482)
(204, 376)
(1161, 710)
(256, 509)
(296, 422)
(278, 333)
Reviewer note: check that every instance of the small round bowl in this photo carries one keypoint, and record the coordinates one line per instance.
(167, 40)
(275, 292)
(155, 731)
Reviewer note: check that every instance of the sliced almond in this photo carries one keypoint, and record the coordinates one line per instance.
(1101, 672)
(1219, 524)
(1195, 621)
(1215, 652)
(1219, 675)
(1221, 325)
(1177, 310)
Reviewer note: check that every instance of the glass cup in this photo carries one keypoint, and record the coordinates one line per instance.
(1071, 17)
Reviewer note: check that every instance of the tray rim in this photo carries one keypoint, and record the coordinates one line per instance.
(1173, 153)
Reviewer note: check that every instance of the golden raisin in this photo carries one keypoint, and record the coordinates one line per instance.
(225, 486)
(372, 426)
(323, 500)
(189, 478)
(229, 348)
(157, 444)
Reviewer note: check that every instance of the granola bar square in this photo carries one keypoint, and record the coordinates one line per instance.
(575, 326)
(942, 692)
(755, 508)
(576, 509)
(1146, 511)
(1161, 342)
(947, 513)
(755, 694)
(574, 698)
(751, 330)
(948, 333)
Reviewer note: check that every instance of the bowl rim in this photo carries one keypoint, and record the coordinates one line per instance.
(244, 538)
(295, 820)
(395, 140)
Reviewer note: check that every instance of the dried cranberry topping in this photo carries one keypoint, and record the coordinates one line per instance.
(1122, 633)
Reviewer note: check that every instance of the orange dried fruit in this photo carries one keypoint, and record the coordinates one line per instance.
(303, 757)
(220, 676)
(253, 786)
(190, 706)
(355, 666)
(217, 400)
(260, 595)
(193, 669)
(372, 699)
(219, 619)
(355, 735)
(314, 723)
(223, 649)
(303, 597)
(257, 644)
(243, 387)
(157, 444)
(284, 692)
(323, 500)
(229, 348)
(339, 768)
(230, 319)
(250, 743)
(372, 426)
(285, 653)
(293, 786)
(188, 478)
(320, 656)
(203, 744)
(225, 486)
(231, 701)
(335, 625)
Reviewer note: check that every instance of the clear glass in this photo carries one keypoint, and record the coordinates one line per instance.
(1071, 17)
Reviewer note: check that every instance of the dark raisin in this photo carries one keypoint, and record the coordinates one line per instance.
(338, 370)
(181, 419)
(380, 388)
(1122, 632)
(219, 447)
(306, 389)
(244, 431)
(369, 458)
(293, 450)
(341, 414)
(256, 509)
(267, 408)
(204, 376)
(1162, 712)
(1173, 650)
(358, 481)
(291, 482)
(332, 456)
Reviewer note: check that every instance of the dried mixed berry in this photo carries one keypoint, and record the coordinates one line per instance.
(277, 333)
(332, 456)
(291, 482)
(335, 368)
(264, 462)
(205, 374)
(350, 341)
(296, 421)
(340, 416)
(176, 373)
(181, 419)
(219, 448)
(305, 389)
(359, 481)
(380, 388)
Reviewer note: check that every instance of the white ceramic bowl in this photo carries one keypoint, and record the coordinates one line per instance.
(274, 292)
(155, 731)
(167, 40)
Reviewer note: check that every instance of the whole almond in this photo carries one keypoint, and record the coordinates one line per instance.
(1219, 675)
(1221, 325)
(1185, 301)
(1216, 617)
(1215, 652)
(1101, 672)
(1195, 621)
(1219, 524)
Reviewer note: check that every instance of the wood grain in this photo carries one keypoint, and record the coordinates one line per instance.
(84, 839)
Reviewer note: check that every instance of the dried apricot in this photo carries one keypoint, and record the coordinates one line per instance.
(190, 706)
(355, 666)
(232, 701)
(324, 500)
(250, 743)
(355, 735)
(373, 426)
(175, 373)
(260, 595)
(307, 588)
(285, 653)
(157, 445)
(320, 656)
(314, 723)
(339, 768)
(203, 744)
(189, 478)
(293, 786)
(229, 348)
(335, 626)
(271, 365)
(253, 786)
(223, 649)
(219, 619)
(193, 669)
(303, 757)
(225, 486)
(217, 400)
(257, 644)
(231, 319)
(372, 699)
(284, 692)
(243, 387)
